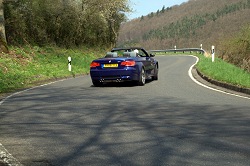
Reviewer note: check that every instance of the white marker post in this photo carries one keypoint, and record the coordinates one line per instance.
(213, 53)
(200, 48)
(175, 49)
(69, 63)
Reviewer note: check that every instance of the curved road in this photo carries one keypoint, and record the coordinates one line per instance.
(172, 121)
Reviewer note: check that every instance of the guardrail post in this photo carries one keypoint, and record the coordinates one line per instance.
(213, 53)
(69, 63)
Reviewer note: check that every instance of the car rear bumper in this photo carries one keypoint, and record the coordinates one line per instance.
(114, 75)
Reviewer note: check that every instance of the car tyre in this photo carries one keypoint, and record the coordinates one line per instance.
(142, 80)
(97, 83)
(155, 77)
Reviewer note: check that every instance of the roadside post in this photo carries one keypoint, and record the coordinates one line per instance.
(175, 49)
(213, 53)
(200, 48)
(69, 63)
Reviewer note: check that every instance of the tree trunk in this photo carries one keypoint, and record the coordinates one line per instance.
(3, 43)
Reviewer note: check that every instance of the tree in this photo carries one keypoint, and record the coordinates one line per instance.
(65, 22)
(113, 13)
(142, 18)
(3, 43)
(163, 9)
(158, 12)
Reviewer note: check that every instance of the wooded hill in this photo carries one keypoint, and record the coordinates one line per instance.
(207, 22)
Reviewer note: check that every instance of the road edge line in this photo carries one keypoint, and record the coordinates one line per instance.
(5, 156)
(208, 87)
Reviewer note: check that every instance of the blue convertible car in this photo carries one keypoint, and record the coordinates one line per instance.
(124, 64)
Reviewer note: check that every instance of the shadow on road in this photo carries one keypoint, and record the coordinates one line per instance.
(61, 126)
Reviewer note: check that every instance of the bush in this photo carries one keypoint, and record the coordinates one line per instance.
(27, 66)
(237, 49)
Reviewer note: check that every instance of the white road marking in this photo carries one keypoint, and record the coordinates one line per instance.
(6, 98)
(205, 86)
(4, 154)
(7, 158)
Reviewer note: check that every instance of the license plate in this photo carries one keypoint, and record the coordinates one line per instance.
(110, 65)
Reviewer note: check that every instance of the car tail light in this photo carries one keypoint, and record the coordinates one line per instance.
(128, 63)
(94, 64)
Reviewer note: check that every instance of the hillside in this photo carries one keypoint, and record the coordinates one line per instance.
(190, 24)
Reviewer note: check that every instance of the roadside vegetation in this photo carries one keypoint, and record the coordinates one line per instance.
(233, 64)
(219, 70)
(41, 34)
(28, 66)
(223, 71)
(65, 23)
(236, 50)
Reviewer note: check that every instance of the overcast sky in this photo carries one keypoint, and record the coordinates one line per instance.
(144, 7)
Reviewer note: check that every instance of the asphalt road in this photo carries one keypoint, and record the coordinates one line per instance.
(172, 121)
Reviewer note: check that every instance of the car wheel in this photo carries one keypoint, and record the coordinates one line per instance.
(142, 79)
(97, 83)
(155, 77)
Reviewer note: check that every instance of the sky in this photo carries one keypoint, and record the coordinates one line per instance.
(144, 7)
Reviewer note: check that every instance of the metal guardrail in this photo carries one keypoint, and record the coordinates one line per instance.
(180, 50)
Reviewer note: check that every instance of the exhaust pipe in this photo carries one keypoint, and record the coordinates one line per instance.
(119, 80)
(103, 80)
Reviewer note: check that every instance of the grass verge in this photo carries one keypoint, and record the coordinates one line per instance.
(223, 71)
(219, 70)
(25, 67)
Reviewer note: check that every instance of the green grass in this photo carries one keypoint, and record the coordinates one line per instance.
(27, 66)
(219, 70)
(223, 71)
